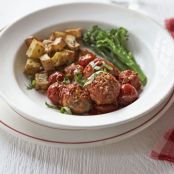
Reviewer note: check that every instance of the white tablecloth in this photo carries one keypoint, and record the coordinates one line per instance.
(126, 157)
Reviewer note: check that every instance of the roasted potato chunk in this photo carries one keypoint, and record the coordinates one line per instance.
(47, 62)
(63, 57)
(57, 45)
(32, 67)
(30, 39)
(71, 42)
(46, 42)
(35, 50)
(57, 34)
(41, 81)
(71, 54)
(75, 32)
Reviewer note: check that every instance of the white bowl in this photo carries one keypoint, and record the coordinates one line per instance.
(149, 42)
(33, 132)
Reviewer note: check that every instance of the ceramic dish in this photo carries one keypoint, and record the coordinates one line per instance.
(150, 43)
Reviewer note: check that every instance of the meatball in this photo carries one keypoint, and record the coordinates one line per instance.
(104, 89)
(54, 92)
(76, 98)
(131, 77)
(72, 69)
(128, 94)
(102, 109)
(56, 76)
(98, 64)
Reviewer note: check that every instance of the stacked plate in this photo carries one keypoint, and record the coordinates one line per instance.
(150, 43)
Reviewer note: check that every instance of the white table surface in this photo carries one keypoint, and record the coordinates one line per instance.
(126, 157)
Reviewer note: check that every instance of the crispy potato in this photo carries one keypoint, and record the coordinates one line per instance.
(57, 45)
(63, 57)
(75, 32)
(41, 81)
(71, 54)
(32, 67)
(47, 62)
(57, 34)
(35, 50)
(71, 42)
(30, 39)
(46, 42)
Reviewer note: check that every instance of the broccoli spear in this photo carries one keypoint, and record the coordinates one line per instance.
(113, 42)
(107, 54)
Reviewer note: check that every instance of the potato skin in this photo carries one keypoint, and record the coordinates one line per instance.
(30, 39)
(57, 45)
(74, 31)
(41, 81)
(32, 67)
(35, 50)
(71, 42)
(104, 89)
(63, 57)
(57, 34)
(47, 63)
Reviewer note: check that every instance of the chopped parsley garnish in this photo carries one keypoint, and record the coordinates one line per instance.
(78, 77)
(66, 80)
(104, 65)
(107, 66)
(51, 106)
(31, 84)
(63, 110)
(97, 68)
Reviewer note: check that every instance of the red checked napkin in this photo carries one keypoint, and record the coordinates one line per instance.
(169, 23)
(164, 149)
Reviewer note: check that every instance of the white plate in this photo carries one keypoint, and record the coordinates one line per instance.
(18, 125)
(150, 43)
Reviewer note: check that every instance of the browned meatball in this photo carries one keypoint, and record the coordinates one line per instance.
(55, 77)
(102, 109)
(76, 98)
(131, 77)
(100, 63)
(104, 89)
(72, 69)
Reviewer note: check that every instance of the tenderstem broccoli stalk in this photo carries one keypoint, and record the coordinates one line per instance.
(107, 54)
(112, 46)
